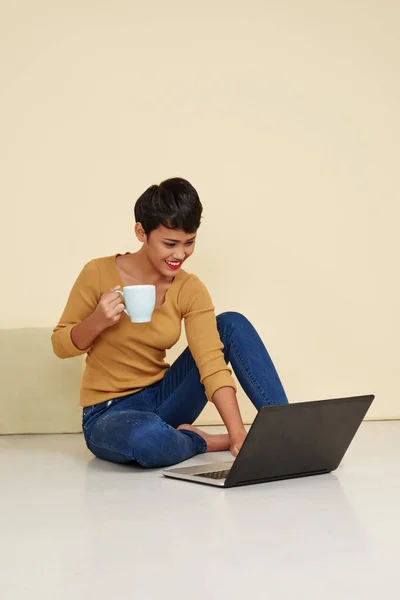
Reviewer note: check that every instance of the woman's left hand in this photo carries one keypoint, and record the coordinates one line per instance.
(237, 441)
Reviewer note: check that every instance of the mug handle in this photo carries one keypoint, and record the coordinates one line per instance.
(122, 294)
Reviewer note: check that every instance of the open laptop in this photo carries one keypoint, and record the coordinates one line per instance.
(285, 441)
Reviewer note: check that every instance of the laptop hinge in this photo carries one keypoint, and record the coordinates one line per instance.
(278, 478)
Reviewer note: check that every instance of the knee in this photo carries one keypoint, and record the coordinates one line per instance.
(229, 320)
(128, 436)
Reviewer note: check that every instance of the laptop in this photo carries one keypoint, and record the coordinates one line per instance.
(286, 441)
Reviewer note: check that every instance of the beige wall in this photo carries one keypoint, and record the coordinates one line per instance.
(284, 115)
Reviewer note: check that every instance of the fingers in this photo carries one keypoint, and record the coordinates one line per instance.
(113, 292)
(112, 295)
(116, 301)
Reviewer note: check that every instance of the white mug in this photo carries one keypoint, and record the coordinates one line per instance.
(140, 301)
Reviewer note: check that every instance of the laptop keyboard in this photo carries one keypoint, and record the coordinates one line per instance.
(215, 474)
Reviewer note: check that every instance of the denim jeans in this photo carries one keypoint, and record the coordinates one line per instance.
(141, 427)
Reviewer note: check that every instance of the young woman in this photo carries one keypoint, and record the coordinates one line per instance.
(137, 408)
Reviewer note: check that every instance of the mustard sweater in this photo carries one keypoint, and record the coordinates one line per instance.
(128, 356)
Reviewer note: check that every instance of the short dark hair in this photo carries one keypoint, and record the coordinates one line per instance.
(174, 203)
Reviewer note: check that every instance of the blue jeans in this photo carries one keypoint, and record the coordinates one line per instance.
(141, 427)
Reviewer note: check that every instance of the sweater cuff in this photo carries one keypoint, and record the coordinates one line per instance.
(214, 382)
(66, 345)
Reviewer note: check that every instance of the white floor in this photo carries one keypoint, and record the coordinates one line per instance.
(72, 526)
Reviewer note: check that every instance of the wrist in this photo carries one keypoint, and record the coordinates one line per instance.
(226, 403)
(95, 324)
(237, 431)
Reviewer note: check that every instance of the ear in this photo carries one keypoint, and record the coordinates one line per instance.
(140, 233)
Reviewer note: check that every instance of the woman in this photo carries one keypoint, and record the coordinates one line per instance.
(136, 407)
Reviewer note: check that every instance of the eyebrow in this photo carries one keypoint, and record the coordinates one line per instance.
(177, 241)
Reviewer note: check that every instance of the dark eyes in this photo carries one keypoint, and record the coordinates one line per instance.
(169, 245)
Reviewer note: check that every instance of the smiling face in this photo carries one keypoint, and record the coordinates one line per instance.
(166, 249)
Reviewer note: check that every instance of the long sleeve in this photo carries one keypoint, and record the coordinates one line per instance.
(203, 337)
(82, 301)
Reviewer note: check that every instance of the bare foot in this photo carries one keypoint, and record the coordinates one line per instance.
(216, 442)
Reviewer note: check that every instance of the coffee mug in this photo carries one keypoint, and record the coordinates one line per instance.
(140, 301)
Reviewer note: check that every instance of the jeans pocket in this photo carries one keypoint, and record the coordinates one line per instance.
(90, 413)
(87, 411)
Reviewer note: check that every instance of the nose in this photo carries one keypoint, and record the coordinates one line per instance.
(179, 256)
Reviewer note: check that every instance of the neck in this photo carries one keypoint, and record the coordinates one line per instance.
(145, 271)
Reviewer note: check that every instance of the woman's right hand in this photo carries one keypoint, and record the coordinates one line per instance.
(109, 309)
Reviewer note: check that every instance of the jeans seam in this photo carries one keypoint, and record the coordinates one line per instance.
(177, 388)
(249, 375)
(151, 408)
